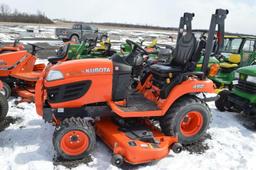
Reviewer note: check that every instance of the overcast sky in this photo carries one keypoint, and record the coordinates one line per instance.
(153, 12)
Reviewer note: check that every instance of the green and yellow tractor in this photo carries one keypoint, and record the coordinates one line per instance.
(90, 49)
(242, 97)
(238, 51)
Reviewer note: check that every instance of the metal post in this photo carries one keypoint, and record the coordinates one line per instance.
(218, 19)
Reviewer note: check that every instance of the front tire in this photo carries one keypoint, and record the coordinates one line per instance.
(74, 139)
(6, 90)
(4, 107)
(222, 103)
(188, 118)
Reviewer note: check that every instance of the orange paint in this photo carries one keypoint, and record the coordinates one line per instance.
(79, 70)
(143, 152)
(1, 85)
(191, 123)
(74, 143)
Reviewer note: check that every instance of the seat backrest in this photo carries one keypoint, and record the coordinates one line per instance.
(197, 55)
(185, 49)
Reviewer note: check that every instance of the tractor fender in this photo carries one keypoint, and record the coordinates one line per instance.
(190, 86)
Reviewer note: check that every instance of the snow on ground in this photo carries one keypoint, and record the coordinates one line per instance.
(27, 145)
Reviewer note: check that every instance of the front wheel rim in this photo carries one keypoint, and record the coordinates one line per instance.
(74, 143)
(191, 123)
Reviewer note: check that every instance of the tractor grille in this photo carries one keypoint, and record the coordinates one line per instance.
(68, 92)
(246, 86)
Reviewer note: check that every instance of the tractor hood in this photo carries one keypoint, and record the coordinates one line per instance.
(78, 69)
(249, 70)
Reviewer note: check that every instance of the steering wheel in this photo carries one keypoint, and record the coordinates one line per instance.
(136, 47)
(35, 48)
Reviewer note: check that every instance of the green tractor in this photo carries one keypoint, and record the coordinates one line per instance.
(102, 49)
(155, 52)
(238, 51)
(242, 97)
(90, 49)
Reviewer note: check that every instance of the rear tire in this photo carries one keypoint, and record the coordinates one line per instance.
(188, 118)
(74, 139)
(6, 91)
(222, 103)
(4, 107)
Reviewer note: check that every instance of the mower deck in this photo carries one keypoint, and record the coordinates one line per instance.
(132, 149)
(137, 102)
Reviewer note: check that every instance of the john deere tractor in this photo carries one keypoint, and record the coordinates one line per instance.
(238, 51)
(90, 49)
(242, 97)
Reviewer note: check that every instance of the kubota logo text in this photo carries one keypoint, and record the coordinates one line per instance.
(98, 70)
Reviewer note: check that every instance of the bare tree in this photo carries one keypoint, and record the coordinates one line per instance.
(7, 15)
(5, 9)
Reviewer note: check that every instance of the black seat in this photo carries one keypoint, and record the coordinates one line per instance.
(163, 70)
(185, 56)
(165, 55)
(118, 59)
(61, 54)
(183, 53)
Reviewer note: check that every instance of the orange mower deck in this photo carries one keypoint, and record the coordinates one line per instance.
(132, 150)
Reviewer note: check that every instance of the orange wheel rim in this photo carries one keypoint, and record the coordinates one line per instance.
(74, 142)
(191, 123)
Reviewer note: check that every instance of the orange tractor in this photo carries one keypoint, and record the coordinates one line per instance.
(18, 71)
(16, 46)
(89, 97)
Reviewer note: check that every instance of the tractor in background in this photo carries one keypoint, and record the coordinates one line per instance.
(238, 51)
(242, 97)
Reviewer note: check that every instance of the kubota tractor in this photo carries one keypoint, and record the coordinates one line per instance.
(89, 97)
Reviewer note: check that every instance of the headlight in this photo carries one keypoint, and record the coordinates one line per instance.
(236, 75)
(251, 79)
(54, 75)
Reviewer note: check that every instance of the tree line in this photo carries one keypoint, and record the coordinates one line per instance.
(8, 15)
